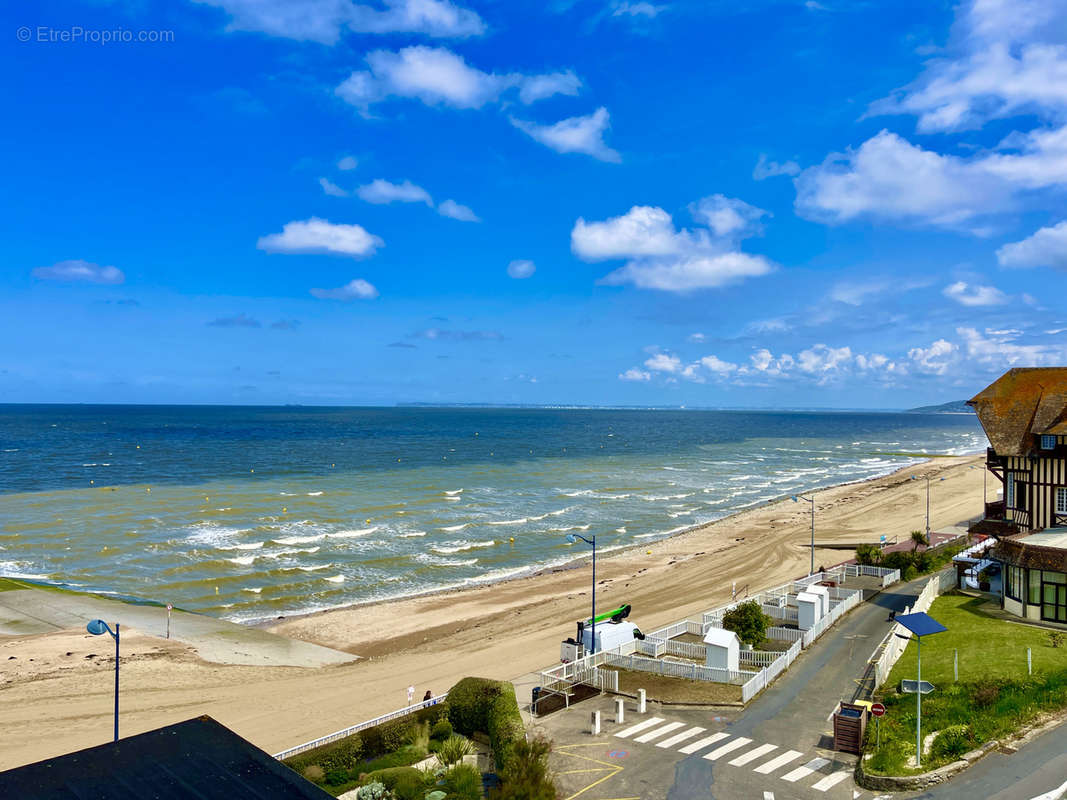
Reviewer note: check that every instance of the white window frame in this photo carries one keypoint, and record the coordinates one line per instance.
(1048, 442)
(1061, 500)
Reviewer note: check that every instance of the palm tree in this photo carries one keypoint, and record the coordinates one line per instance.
(918, 538)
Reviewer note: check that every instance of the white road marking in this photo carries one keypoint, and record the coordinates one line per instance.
(648, 737)
(689, 749)
(1055, 794)
(779, 761)
(768, 796)
(640, 726)
(830, 780)
(729, 747)
(806, 770)
(680, 737)
(752, 755)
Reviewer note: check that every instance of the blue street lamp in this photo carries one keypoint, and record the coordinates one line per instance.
(920, 624)
(796, 499)
(573, 538)
(97, 628)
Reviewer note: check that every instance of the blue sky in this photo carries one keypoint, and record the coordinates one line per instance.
(606, 202)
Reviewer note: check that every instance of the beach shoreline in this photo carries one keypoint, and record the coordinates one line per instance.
(503, 630)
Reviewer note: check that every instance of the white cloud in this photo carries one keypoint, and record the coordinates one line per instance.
(574, 135)
(696, 338)
(972, 295)
(1045, 248)
(1007, 57)
(332, 188)
(1002, 351)
(453, 210)
(935, 359)
(324, 20)
(382, 192)
(639, 9)
(635, 374)
(822, 359)
(717, 365)
(79, 271)
(439, 77)
(727, 216)
(539, 87)
(347, 162)
(357, 289)
(660, 256)
(662, 362)
(890, 179)
(768, 169)
(854, 294)
(521, 268)
(321, 236)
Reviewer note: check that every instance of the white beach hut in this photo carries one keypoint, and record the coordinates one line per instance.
(824, 597)
(722, 649)
(809, 610)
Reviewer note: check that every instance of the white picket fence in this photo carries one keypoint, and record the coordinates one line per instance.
(370, 723)
(762, 679)
(758, 658)
(687, 650)
(785, 634)
(675, 669)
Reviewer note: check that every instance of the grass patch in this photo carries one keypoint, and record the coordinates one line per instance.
(994, 696)
(8, 585)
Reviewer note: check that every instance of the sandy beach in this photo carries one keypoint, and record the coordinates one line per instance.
(54, 699)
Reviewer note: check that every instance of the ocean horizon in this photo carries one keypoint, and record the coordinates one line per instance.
(251, 512)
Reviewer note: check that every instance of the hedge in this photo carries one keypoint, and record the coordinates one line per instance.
(480, 704)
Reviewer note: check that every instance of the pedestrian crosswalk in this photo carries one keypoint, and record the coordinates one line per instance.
(762, 758)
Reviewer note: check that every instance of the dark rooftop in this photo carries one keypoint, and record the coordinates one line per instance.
(1022, 403)
(198, 758)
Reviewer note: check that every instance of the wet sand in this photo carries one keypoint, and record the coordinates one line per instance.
(503, 630)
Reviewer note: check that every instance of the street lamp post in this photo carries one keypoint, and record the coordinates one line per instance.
(796, 499)
(97, 628)
(572, 538)
(915, 478)
(920, 624)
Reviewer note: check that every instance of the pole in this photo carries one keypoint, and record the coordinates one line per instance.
(919, 709)
(955, 665)
(116, 681)
(168, 620)
(927, 507)
(878, 733)
(593, 615)
(811, 571)
(1029, 665)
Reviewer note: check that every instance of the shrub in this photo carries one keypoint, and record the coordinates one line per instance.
(402, 758)
(952, 741)
(748, 621)
(985, 694)
(396, 733)
(453, 749)
(410, 786)
(313, 773)
(1055, 638)
(526, 775)
(392, 775)
(344, 756)
(335, 777)
(869, 554)
(372, 791)
(441, 730)
(479, 704)
(463, 782)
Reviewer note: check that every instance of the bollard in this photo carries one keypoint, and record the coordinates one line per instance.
(640, 701)
(594, 723)
(619, 710)
(955, 665)
(1029, 665)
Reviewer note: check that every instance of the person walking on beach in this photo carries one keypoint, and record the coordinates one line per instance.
(411, 694)
(427, 696)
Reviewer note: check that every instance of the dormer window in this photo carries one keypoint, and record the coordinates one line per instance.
(1048, 442)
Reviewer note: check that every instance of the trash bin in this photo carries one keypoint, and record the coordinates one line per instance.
(534, 694)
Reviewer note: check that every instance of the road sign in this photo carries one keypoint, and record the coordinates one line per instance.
(878, 709)
(170, 607)
(909, 687)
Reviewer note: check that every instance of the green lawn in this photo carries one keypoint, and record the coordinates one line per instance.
(7, 585)
(988, 648)
(994, 696)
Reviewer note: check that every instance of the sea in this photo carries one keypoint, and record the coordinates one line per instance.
(250, 513)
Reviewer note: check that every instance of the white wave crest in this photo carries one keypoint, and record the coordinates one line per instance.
(336, 579)
(453, 528)
(519, 521)
(352, 534)
(459, 547)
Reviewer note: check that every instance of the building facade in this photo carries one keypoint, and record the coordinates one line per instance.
(1024, 415)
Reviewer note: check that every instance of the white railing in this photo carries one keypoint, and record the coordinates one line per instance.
(835, 613)
(758, 658)
(651, 647)
(785, 634)
(687, 650)
(890, 577)
(370, 723)
(892, 646)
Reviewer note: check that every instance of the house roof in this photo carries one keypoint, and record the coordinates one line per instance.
(1020, 403)
(198, 758)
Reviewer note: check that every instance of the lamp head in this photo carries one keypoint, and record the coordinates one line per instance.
(571, 538)
(97, 627)
(795, 499)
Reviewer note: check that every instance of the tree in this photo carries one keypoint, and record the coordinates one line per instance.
(748, 621)
(869, 554)
(918, 538)
(525, 776)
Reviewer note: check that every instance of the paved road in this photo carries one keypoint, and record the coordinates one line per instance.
(30, 611)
